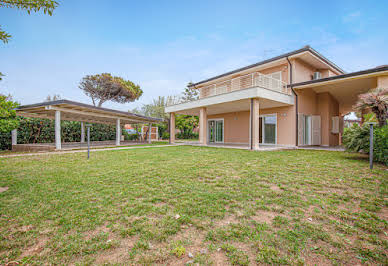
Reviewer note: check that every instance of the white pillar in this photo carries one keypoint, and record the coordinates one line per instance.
(172, 128)
(118, 132)
(149, 132)
(203, 126)
(14, 134)
(58, 130)
(82, 132)
(254, 124)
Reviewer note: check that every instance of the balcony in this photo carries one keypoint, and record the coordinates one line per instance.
(251, 80)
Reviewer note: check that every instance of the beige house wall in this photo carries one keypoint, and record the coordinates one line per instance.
(236, 125)
(323, 104)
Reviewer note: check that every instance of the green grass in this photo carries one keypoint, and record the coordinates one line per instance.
(222, 206)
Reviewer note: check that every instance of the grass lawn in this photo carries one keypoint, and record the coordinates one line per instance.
(179, 205)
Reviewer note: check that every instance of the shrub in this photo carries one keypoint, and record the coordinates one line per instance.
(166, 135)
(356, 139)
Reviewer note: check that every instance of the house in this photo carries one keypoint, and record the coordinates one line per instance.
(295, 99)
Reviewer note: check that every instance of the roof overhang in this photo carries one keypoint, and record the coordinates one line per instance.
(306, 53)
(233, 102)
(75, 111)
(345, 88)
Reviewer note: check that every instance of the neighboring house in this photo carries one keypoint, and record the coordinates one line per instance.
(350, 122)
(294, 99)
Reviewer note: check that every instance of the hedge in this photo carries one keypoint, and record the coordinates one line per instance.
(37, 130)
(356, 139)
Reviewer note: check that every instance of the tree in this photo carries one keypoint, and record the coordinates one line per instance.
(47, 6)
(377, 101)
(1, 76)
(8, 119)
(190, 93)
(105, 87)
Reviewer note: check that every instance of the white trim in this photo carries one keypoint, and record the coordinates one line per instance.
(263, 132)
(223, 129)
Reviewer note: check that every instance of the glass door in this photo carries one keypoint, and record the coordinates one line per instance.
(212, 130)
(269, 129)
(219, 131)
(216, 131)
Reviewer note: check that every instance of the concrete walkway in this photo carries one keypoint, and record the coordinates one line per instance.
(85, 151)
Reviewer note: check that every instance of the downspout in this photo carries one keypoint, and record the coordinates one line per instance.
(296, 105)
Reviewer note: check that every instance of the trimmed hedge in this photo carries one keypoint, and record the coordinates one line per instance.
(37, 130)
(356, 139)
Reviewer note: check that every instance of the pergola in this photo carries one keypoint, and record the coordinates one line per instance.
(84, 113)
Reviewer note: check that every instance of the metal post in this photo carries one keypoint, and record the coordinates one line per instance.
(118, 132)
(371, 146)
(88, 132)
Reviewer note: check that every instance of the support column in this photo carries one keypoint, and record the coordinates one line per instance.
(58, 145)
(203, 126)
(149, 132)
(14, 134)
(254, 124)
(172, 128)
(82, 132)
(118, 132)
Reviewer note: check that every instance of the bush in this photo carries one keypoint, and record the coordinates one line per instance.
(166, 135)
(36, 130)
(356, 139)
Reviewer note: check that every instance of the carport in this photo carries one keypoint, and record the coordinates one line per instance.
(84, 113)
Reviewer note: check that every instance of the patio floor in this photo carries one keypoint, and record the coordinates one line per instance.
(262, 147)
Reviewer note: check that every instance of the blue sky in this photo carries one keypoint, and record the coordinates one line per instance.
(162, 45)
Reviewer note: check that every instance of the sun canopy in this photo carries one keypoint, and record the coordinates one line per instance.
(75, 111)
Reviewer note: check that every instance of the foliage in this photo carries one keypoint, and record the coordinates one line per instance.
(356, 139)
(105, 87)
(8, 119)
(1, 76)
(186, 125)
(179, 251)
(47, 6)
(36, 130)
(377, 101)
(190, 93)
(165, 135)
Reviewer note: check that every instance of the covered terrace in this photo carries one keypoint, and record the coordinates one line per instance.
(75, 111)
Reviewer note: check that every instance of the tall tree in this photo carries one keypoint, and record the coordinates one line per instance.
(190, 93)
(47, 6)
(8, 119)
(105, 87)
(377, 101)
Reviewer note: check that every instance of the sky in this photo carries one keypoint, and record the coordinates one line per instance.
(163, 45)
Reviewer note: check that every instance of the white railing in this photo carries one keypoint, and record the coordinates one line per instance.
(255, 79)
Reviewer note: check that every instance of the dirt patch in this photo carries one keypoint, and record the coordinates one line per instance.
(93, 233)
(383, 214)
(275, 188)
(3, 189)
(262, 216)
(118, 254)
(219, 258)
(226, 221)
(25, 228)
(37, 248)
(316, 259)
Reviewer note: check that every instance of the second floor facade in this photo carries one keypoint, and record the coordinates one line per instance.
(275, 74)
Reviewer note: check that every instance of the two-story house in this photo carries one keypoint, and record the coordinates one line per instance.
(294, 99)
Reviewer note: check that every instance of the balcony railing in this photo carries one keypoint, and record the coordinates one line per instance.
(255, 79)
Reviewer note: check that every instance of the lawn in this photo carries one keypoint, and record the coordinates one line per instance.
(182, 205)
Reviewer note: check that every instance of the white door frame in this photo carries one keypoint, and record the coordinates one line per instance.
(263, 131)
(223, 129)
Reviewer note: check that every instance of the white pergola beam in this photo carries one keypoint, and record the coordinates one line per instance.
(118, 132)
(14, 134)
(82, 132)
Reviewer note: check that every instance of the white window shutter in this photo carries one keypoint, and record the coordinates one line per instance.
(335, 125)
(316, 130)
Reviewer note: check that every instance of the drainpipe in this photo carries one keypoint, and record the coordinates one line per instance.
(296, 104)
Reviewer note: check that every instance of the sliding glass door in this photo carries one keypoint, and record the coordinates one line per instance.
(216, 130)
(269, 123)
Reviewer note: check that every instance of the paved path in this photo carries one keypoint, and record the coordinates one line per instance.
(85, 151)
